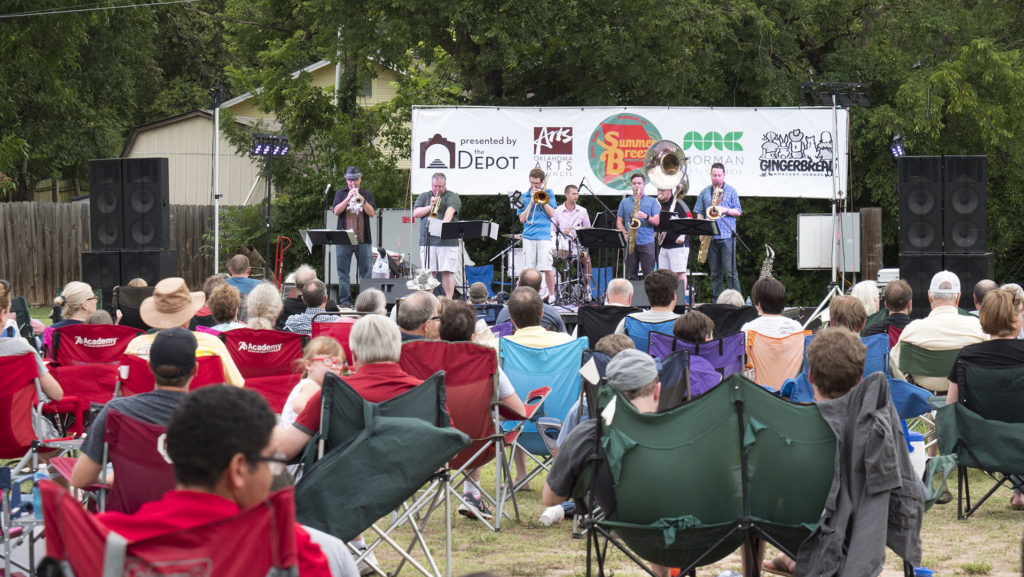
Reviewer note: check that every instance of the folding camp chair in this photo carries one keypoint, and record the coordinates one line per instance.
(798, 389)
(336, 325)
(128, 300)
(728, 319)
(257, 541)
(984, 429)
(733, 452)
(726, 354)
(266, 358)
(87, 357)
(639, 331)
(369, 458)
(596, 322)
(22, 316)
(916, 362)
(528, 368)
(471, 380)
(503, 329)
(773, 360)
(483, 274)
(134, 375)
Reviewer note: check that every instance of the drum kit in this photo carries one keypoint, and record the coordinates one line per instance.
(571, 272)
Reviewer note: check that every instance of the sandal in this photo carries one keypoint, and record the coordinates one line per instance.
(778, 566)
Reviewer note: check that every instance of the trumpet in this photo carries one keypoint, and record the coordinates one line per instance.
(434, 204)
(356, 204)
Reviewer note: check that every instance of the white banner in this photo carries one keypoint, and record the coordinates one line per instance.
(772, 152)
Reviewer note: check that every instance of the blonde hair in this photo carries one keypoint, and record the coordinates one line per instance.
(867, 293)
(73, 297)
(317, 347)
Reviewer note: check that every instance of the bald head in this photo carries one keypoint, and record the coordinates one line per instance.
(530, 277)
(525, 307)
(981, 289)
(619, 292)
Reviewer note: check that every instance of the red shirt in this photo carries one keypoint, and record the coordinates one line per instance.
(179, 510)
(375, 382)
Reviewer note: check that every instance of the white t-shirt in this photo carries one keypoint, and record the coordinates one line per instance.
(288, 414)
(772, 326)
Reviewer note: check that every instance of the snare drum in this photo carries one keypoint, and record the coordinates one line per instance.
(561, 254)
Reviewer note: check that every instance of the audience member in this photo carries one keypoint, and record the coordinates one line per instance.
(224, 304)
(613, 344)
(943, 329)
(322, 355)
(100, 317)
(635, 375)
(138, 282)
(731, 297)
(769, 297)
(238, 271)
(264, 304)
(220, 440)
(203, 316)
(867, 293)
(172, 305)
(293, 304)
(371, 301)
(418, 317)
(526, 310)
(478, 294)
(550, 320)
(847, 311)
(314, 294)
(76, 302)
(697, 327)
(619, 293)
(660, 287)
(1014, 288)
(982, 288)
(172, 358)
(897, 298)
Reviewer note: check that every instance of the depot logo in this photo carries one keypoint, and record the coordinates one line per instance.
(254, 348)
(730, 141)
(437, 152)
(95, 343)
(617, 147)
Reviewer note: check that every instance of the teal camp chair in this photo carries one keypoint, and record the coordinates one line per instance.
(985, 429)
(367, 459)
(640, 331)
(696, 482)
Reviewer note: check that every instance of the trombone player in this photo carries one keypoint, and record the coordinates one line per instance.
(436, 254)
(641, 214)
(536, 219)
(722, 253)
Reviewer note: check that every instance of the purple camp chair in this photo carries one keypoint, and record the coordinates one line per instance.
(726, 354)
(503, 329)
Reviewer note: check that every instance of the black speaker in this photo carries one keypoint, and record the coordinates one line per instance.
(105, 214)
(151, 265)
(146, 203)
(920, 192)
(966, 193)
(639, 295)
(918, 270)
(969, 268)
(393, 288)
(102, 271)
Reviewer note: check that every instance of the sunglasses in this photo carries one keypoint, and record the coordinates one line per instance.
(277, 462)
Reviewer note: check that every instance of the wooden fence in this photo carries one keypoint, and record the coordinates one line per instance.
(41, 245)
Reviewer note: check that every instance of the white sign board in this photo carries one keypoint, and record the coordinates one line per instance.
(767, 152)
(815, 236)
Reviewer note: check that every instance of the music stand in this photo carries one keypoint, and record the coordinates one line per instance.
(468, 229)
(689, 226)
(603, 239)
(327, 236)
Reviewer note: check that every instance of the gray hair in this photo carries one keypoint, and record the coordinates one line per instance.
(371, 301)
(867, 293)
(375, 339)
(619, 286)
(264, 306)
(730, 297)
(303, 274)
(416, 309)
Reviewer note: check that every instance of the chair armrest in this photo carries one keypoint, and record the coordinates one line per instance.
(937, 401)
(534, 401)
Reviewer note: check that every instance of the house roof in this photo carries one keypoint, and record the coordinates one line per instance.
(243, 97)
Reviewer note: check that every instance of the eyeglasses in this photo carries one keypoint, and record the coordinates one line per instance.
(91, 299)
(330, 362)
(277, 462)
(437, 318)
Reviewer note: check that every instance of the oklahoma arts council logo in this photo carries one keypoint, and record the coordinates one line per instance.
(617, 147)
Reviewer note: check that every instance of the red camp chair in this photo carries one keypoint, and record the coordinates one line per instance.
(471, 383)
(18, 392)
(86, 359)
(134, 375)
(266, 358)
(257, 541)
(339, 327)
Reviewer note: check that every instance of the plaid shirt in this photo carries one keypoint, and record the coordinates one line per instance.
(303, 322)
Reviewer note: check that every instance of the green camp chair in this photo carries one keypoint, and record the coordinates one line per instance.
(367, 459)
(985, 429)
(696, 482)
(922, 362)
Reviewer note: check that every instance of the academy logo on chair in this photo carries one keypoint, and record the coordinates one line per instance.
(95, 343)
(254, 348)
(189, 568)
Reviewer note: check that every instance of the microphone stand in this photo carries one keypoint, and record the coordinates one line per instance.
(592, 193)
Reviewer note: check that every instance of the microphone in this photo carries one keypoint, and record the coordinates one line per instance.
(583, 185)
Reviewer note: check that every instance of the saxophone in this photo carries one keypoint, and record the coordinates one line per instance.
(769, 260)
(634, 223)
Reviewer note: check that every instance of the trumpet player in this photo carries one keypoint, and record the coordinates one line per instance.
(536, 219)
(437, 255)
(722, 253)
(647, 211)
(354, 207)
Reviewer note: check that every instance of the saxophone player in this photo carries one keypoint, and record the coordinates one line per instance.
(647, 211)
(722, 253)
(354, 208)
(437, 255)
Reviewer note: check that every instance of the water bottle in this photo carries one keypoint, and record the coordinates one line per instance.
(552, 515)
(749, 304)
(37, 496)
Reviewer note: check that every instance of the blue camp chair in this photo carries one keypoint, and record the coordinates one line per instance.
(601, 276)
(483, 273)
(639, 331)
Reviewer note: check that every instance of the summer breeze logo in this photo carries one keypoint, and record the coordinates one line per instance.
(617, 147)
(796, 152)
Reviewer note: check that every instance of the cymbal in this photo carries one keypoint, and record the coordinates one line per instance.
(512, 236)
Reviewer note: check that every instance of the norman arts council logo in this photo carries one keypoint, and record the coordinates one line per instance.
(552, 149)
(796, 153)
(617, 148)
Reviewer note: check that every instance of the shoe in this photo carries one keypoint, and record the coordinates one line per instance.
(552, 515)
(366, 564)
(474, 508)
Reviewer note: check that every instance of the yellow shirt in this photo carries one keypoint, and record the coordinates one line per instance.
(538, 337)
(943, 329)
(208, 346)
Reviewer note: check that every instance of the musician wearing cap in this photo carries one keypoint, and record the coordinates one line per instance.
(569, 218)
(720, 202)
(673, 249)
(536, 218)
(641, 214)
(354, 207)
(437, 254)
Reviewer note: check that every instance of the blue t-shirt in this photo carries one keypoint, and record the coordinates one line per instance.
(649, 205)
(538, 224)
(243, 284)
(730, 199)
